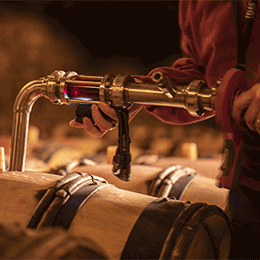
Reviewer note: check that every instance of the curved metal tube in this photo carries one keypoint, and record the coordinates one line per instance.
(22, 108)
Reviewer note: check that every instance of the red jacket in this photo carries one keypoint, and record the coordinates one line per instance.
(209, 46)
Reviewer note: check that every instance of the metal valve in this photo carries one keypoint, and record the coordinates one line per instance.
(164, 84)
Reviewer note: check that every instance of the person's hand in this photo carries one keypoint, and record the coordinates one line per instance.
(246, 106)
(102, 124)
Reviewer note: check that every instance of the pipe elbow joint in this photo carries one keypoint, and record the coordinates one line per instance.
(28, 95)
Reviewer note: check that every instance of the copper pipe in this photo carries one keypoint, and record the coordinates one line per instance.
(22, 109)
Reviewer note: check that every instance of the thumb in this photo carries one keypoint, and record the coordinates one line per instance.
(241, 101)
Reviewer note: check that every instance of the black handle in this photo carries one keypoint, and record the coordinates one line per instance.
(122, 158)
(83, 110)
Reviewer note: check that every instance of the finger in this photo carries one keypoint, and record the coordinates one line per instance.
(109, 111)
(102, 123)
(75, 124)
(251, 115)
(91, 128)
(253, 110)
(257, 124)
(240, 103)
(134, 110)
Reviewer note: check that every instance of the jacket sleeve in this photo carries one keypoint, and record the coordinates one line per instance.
(201, 59)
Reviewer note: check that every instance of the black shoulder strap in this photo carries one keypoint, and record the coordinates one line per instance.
(244, 33)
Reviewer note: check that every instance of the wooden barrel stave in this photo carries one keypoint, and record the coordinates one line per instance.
(19, 194)
(208, 167)
(206, 244)
(203, 189)
(120, 212)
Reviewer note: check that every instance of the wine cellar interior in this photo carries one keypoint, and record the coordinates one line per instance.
(114, 220)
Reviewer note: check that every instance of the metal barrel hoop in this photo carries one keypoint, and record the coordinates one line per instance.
(59, 194)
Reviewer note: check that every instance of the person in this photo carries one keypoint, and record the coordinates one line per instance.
(209, 42)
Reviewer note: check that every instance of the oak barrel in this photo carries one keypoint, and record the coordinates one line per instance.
(128, 225)
(55, 154)
(185, 184)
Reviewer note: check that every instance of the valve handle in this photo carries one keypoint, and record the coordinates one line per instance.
(122, 158)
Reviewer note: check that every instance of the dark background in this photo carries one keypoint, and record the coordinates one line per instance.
(144, 32)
